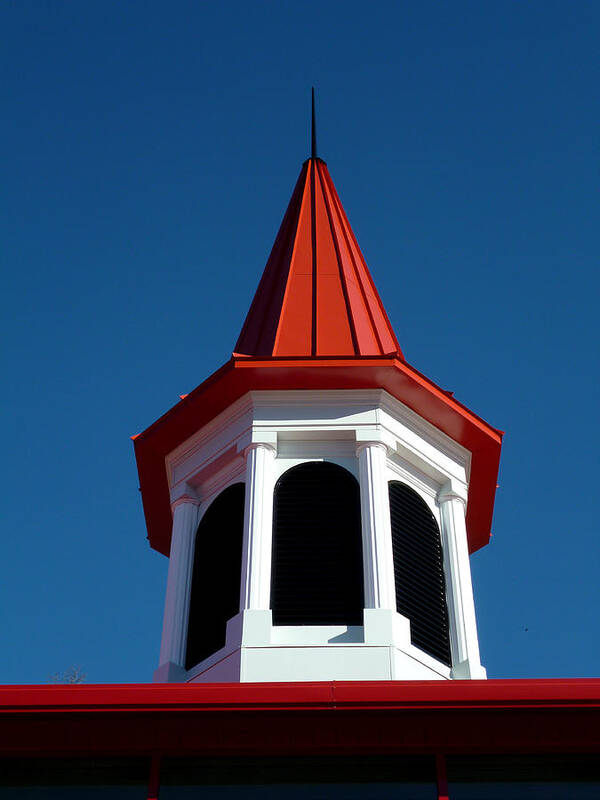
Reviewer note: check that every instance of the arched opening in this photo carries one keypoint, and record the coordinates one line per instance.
(215, 595)
(419, 571)
(317, 576)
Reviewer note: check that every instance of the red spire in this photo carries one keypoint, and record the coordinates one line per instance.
(316, 296)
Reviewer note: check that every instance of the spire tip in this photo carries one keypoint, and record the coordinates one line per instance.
(313, 150)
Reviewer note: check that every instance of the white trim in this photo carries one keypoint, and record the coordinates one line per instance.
(400, 469)
(459, 587)
(185, 498)
(354, 411)
(347, 462)
(378, 561)
(235, 412)
(179, 579)
(232, 473)
(255, 589)
(371, 444)
(259, 445)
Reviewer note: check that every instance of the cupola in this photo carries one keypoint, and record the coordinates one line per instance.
(317, 496)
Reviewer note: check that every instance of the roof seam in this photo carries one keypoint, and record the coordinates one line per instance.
(340, 268)
(313, 231)
(352, 259)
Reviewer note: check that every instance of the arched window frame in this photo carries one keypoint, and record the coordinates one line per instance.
(349, 466)
(349, 463)
(428, 489)
(204, 507)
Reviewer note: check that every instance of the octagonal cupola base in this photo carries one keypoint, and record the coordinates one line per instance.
(345, 553)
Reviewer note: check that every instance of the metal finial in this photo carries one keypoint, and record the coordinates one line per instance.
(313, 153)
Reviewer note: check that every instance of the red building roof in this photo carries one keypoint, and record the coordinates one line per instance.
(494, 716)
(316, 296)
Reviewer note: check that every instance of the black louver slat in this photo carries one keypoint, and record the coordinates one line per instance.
(419, 571)
(317, 547)
(215, 596)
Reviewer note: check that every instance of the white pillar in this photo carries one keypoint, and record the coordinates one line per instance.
(459, 587)
(378, 560)
(179, 579)
(255, 590)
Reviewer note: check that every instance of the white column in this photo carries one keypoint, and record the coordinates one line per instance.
(378, 560)
(258, 527)
(177, 602)
(459, 587)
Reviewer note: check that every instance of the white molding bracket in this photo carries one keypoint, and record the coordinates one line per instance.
(452, 490)
(360, 446)
(183, 493)
(255, 437)
(376, 435)
(268, 446)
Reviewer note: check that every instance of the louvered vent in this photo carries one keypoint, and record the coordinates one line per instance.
(419, 571)
(317, 547)
(216, 578)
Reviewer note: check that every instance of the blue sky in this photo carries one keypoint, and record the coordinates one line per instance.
(150, 149)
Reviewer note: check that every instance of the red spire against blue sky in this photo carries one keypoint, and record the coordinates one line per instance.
(316, 296)
(316, 322)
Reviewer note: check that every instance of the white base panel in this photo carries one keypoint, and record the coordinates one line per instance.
(336, 662)
(258, 652)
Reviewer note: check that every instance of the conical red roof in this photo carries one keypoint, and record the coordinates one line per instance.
(316, 296)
